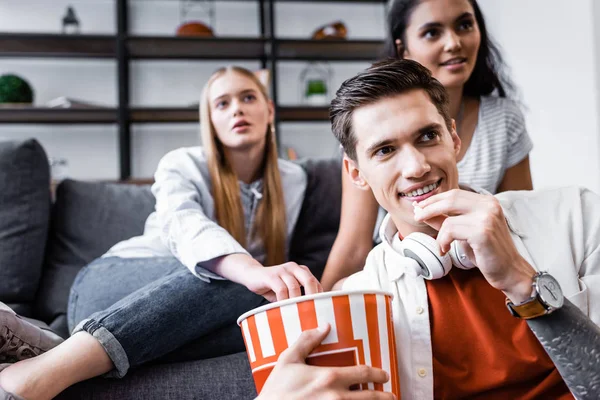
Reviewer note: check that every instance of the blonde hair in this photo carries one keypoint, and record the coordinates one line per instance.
(270, 222)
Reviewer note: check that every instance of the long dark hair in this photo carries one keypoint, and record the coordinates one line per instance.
(487, 76)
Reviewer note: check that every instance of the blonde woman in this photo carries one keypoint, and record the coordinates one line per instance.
(222, 212)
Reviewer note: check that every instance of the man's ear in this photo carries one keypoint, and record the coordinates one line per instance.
(351, 168)
(455, 138)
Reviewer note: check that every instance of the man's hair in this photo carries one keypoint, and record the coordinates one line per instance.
(384, 79)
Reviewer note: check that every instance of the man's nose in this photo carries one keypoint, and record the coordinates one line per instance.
(413, 164)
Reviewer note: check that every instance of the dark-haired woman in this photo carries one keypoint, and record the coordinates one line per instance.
(449, 37)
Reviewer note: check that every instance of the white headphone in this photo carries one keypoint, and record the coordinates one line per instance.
(425, 251)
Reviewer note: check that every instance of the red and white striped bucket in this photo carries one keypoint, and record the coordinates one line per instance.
(362, 332)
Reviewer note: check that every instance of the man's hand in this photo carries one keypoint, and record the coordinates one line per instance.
(479, 221)
(282, 281)
(292, 379)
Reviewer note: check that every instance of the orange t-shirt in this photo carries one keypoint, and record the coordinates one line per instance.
(480, 351)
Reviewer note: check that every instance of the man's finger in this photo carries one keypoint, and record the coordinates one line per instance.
(359, 374)
(369, 395)
(453, 228)
(447, 207)
(436, 222)
(305, 344)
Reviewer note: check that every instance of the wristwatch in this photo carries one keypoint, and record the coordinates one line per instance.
(547, 297)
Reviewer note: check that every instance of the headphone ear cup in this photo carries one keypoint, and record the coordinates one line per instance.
(459, 256)
(425, 251)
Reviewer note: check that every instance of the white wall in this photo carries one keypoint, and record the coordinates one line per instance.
(92, 151)
(550, 47)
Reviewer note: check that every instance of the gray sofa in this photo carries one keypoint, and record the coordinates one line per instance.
(43, 245)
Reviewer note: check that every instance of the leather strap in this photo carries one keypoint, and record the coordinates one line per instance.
(530, 309)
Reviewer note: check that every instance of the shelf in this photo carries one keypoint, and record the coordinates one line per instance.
(303, 113)
(329, 50)
(333, 1)
(190, 114)
(163, 114)
(165, 47)
(35, 115)
(56, 45)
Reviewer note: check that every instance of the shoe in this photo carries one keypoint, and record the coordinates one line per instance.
(20, 339)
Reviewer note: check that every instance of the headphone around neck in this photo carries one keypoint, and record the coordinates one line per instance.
(425, 251)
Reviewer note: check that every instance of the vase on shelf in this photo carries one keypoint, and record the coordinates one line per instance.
(197, 18)
(315, 81)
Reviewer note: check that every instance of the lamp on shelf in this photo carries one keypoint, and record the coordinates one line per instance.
(315, 81)
(70, 23)
(197, 18)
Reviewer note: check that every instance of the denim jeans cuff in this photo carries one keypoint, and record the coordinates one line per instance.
(110, 344)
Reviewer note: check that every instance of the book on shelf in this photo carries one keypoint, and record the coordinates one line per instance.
(67, 102)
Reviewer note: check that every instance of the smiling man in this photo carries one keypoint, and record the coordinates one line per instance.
(522, 324)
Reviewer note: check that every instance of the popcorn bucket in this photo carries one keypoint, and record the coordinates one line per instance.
(362, 332)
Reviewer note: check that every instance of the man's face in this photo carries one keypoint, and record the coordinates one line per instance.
(405, 153)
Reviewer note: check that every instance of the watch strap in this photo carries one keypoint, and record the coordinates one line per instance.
(532, 308)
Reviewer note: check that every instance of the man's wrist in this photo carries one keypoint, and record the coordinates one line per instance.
(521, 287)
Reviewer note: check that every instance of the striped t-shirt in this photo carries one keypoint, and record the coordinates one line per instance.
(500, 141)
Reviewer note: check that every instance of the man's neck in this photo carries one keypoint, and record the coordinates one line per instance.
(247, 163)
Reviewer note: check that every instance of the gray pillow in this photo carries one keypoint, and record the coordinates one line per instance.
(87, 219)
(319, 218)
(24, 216)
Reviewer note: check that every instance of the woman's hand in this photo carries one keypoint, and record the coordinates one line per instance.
(282, 281)
(275, 283)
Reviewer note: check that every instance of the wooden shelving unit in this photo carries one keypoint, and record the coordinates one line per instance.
(39, 115)
(57, 46)
(123, 48)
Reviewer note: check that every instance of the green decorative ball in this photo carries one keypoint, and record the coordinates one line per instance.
(14, 89)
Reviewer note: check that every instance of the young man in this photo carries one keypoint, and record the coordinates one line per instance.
(455, 336)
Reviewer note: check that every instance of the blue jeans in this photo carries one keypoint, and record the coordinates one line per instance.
(144, 309)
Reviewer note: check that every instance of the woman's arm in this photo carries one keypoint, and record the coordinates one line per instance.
(355, 235)
(181, 193)
(517, 177)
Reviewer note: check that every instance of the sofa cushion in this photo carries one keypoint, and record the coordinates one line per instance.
(319, 218)
(87, 219)
(227, 377)
(24, 217)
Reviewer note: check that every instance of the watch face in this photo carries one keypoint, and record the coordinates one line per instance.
(549, 291)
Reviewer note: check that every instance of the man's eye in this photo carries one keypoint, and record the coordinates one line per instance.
(384, 151)
(429, 136)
